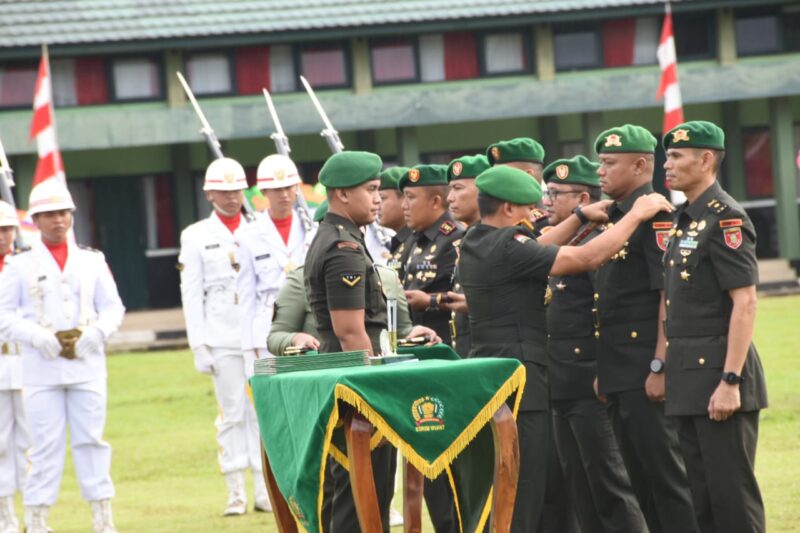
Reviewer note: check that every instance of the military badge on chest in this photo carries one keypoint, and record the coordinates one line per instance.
(622, 254)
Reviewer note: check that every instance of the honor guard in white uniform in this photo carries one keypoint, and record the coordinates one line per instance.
(274, 245)
(14, 440)
(213, 312)
(60, 303)
(378, 240)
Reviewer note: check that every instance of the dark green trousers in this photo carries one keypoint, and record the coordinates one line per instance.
(558, 513)
(649, 444)
(441, 504)
(720, 457)
(595, 474)
(533, 428)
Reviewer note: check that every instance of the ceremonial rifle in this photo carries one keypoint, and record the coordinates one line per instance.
(207, 131)
(6, 182)
(282, 147)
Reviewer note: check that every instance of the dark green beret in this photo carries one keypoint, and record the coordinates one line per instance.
(579, 171)
(422, 176)
(626, 139)
(348, 169)
(391, 177)
(695, 134)
(519, 149)
(468, 166)
(510, 185)
(321, 211)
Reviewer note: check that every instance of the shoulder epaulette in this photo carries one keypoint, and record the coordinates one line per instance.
(538, 214)
(717, 207)
(447, 227)
(524, 223)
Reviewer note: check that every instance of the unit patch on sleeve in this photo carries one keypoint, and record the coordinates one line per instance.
(733, 237)
(351, 280)
(730, 223)
(521, 238)
(662, 239)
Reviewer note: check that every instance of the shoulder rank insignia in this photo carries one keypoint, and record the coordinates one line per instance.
(662, 225)
(351, 279)
(447, 228)
(521, 238)
(730, 223)
(347, 244)
(525, 223)
(538, 214)
(717, 206)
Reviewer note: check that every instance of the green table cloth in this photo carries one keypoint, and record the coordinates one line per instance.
(429, 410)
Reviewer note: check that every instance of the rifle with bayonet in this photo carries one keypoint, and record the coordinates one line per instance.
(283, 148)
(6, 182)
(207, 131)
(335, 144)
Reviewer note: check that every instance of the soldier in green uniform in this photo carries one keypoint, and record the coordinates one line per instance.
(504, 272)
(715, 385)
(463, 204)
(598, 485)
(629, 288)
(391, 215)
(527, 155)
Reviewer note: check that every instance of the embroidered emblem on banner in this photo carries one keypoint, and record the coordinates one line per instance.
(295, 508)
(733, 237)
(428, 413)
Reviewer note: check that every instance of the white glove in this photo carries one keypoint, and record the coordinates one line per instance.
(46, 344)
(203, 360)
(89, 343)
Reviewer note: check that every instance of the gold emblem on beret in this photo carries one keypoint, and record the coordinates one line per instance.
(562, 171)
(413, 175)
(228, 177)
(280, 174)
(495, 152)
(457, 168)
(614, 140)
(680, 135)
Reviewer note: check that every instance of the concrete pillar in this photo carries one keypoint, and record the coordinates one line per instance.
(545, 52)
(362, 71)
(726, 37)
(783, 174)
(734, 154)
(183, 186)
(593, 126)
(407, 147)
(173, 62)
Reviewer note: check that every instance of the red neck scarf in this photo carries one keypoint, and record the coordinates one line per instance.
(59, 252)
(284, 227)
(2, 261)
(232, 223)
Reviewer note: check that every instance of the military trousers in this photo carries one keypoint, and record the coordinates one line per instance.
(597, 481)
(649, 444)
(533, 428)
(720, 458)
(558, 512)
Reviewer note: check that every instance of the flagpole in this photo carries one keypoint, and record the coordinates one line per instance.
(51, 104)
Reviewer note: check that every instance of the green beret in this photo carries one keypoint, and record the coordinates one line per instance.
(391, 176)
(695, 134)
(519, 149)
(422, 176)
(468, 166)
(578, 171)
(348, 169)
(321, 211)
(626, 139)
(510, 185)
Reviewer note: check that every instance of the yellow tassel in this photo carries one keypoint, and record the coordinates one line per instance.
(455, 497)
(486, 510)
(326, 445)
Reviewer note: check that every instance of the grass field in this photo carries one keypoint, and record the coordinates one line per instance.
(164, 465)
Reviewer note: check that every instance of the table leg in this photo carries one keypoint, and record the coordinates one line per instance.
(413, 484)
(506, 468)
(280, 509)
(357, 431)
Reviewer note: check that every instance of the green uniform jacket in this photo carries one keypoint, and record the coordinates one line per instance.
(627, 300)
(711, 251)
(293, 314)
(504, 275)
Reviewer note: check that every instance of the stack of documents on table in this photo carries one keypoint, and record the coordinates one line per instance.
(298, 363)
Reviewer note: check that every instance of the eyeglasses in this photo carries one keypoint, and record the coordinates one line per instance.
(552, 194)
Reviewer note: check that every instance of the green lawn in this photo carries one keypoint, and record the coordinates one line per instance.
(164, 466)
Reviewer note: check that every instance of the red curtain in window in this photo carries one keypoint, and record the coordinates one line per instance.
(619, 40)
(252, 69)
(758, 164)
(324, 66)
(460, 56)
(165, 218)
(91, 83)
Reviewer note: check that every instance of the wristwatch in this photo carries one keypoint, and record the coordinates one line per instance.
(578, 212)
(732, 378)
(657, 366)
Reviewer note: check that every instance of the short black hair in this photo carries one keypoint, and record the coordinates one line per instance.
(488, 205)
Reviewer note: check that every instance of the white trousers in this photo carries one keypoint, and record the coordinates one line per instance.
(237, 426)
(14, 442)
(50, 409)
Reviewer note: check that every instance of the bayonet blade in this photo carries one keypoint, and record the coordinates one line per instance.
(315, 100)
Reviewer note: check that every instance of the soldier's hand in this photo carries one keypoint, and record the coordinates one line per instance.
(418, 331)
(647, 206)
(454, 302)
(725, 401)
(418, 300)
(46, 343)
(597, 212)
(654, 387)
(596, 387)
(203, 360)
(304, 340)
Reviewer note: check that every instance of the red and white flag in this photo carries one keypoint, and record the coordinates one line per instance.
(43, 126)
(669, 89)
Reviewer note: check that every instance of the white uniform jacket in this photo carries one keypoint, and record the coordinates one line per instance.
(380, 254)
(264, 260)
(208, 264)
(10, 363)
(35, 294)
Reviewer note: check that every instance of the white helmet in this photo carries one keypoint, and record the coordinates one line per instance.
(8, 215)
(277, 171)
(225, 174)
(50, 195)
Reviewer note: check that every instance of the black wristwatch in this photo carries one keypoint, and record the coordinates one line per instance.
(732, 378)
(657, 366)
(578, 212)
